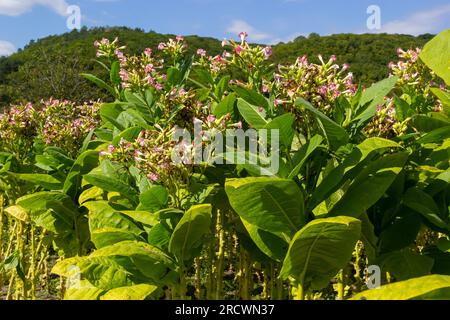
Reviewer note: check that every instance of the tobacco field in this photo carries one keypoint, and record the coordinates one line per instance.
(98, 201)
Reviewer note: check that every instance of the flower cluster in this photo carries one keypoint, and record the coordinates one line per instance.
(215, 65)
(57, 123)
(320, 84)
(415, 78)
(17, 129)
(160, 155)
(385, 123)
(139, 73)
(174, 48)
(65, 125)
(150, 153)
(108, 49)
(249, 59)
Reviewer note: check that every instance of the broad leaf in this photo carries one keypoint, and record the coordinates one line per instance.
(320, 249)
(137, 292)
(271, 204)
(190, 231)
(370, 185)
(436, 55)
(252, 115)
(335, 134)
(434, 287)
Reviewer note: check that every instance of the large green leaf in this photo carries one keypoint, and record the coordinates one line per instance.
(335, 134)
(436, 55)
(254, 117)
(154, 199)
(405, 264)
(284, 124)
(83, 290)
(370, 185)
(108, 226)
(271, 204)
(252, 97)
(424, 204)
(108, 236)
(53, 211)
(136, 292)
(348, 169)
(434, 287)
(112, 184)
(18, 212)
(44, 180)
(123, 264)
(270, 244)
(190, 231)
(320, 249)
(226, 106)
(85, 162)
(401, 232)
(426, 123)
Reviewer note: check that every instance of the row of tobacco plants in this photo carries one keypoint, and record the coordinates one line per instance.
(94, 205)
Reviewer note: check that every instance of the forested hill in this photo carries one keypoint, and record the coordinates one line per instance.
(51, 66)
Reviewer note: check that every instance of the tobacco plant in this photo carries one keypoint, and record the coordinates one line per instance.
(363, 181)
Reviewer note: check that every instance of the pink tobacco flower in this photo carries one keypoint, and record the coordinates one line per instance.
(268, 51)
(278, 102)
(243, 35)
(201, 52)
(149, 68)
(148, 52)
(211, 118)
(162, 46)
(111, 148)
(180, 38)
(238, 50)
(153, 177)
(123, 75)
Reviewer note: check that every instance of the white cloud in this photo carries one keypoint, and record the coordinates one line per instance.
(18, 7)
(429, 21)
(6, 48)
(238, 26)
(287, 38)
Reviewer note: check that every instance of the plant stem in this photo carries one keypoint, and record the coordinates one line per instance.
(220, 254)
(182, 285)
(341, 285)
(300, 292)
(198, 280)
(33, 264)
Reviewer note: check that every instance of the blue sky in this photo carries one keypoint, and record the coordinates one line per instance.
(267, 21)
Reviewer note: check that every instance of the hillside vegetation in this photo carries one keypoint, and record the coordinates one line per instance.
(51, 67)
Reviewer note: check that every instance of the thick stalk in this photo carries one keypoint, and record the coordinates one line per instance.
(266, 283)
(198, 279)
(182, 284)
(220, 254)
(300, 292)
(33, 264)
(341, 285)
